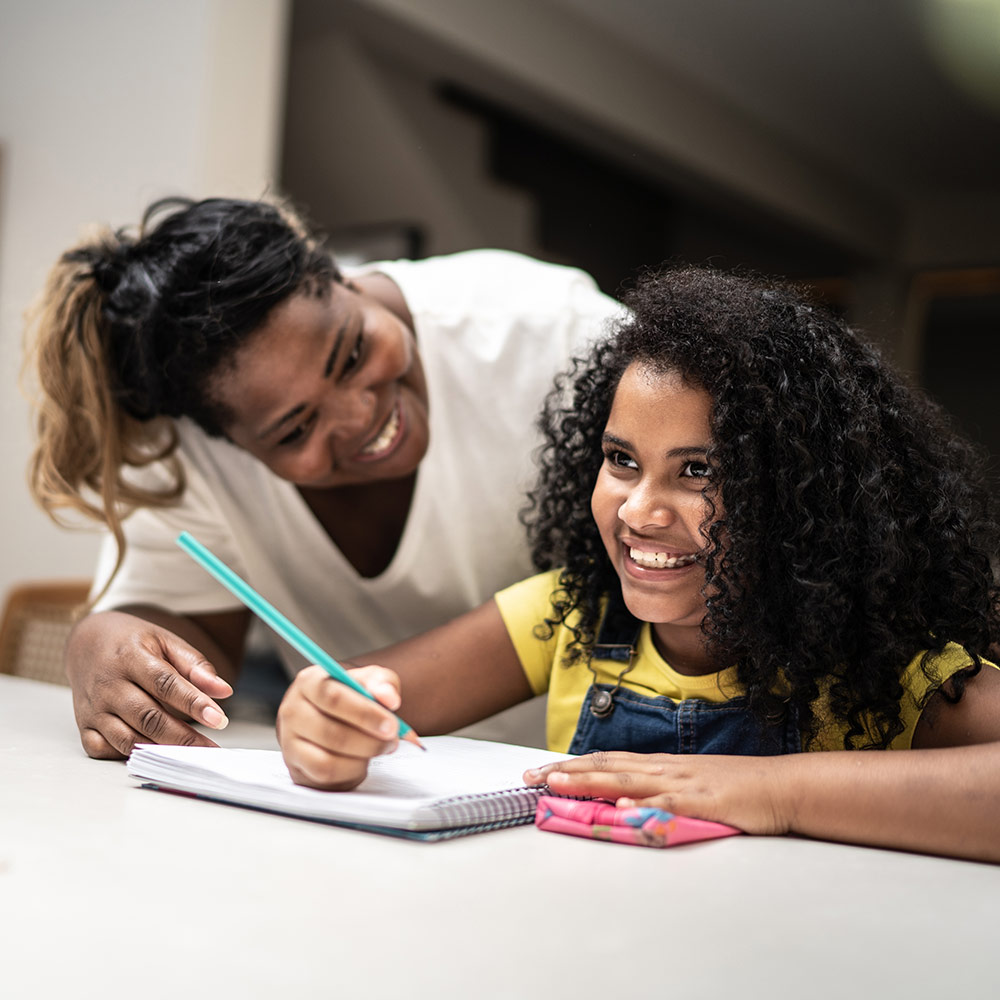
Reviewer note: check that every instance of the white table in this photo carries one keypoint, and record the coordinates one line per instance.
(107, 889)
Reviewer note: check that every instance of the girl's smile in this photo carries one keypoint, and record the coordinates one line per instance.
(649, 505)
(655, 559)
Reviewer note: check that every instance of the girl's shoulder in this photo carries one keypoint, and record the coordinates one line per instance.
(928, 670)
(529, 599)
(920, 678)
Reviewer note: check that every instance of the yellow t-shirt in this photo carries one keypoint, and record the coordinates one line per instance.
(524, 606)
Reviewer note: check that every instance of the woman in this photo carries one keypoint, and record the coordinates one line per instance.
(355, 448)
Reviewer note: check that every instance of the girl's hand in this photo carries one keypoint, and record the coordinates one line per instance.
(131, 680)
(745, 792)
(328, 732)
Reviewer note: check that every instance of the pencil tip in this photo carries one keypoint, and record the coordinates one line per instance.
(412, 737)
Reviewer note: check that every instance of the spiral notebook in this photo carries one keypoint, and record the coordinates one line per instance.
(458, 786)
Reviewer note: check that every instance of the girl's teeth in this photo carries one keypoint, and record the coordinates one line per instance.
(660, 560)
(385, 438)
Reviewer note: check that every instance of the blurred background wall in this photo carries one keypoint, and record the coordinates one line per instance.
(849, 145)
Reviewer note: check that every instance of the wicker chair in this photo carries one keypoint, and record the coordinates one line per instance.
(37, 618)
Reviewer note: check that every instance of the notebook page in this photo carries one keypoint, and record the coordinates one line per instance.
(395, 793)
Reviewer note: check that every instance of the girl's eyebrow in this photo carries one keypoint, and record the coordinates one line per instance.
(685, 451)
(331, 360)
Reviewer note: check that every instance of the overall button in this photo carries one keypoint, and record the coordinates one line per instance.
(602, 704)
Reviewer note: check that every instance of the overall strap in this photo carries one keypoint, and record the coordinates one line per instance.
(619, 632)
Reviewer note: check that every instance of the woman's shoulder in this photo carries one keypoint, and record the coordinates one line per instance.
(493, 282)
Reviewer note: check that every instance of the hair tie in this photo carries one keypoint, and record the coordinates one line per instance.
(105, 262)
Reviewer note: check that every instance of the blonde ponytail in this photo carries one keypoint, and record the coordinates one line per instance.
(129, 333)
(84, 439)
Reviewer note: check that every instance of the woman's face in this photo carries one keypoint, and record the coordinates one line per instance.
(649, 505)
(329, 392)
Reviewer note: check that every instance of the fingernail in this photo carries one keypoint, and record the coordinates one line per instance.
(533, 774)
(211, 716)
(386, 694)
(387, 728)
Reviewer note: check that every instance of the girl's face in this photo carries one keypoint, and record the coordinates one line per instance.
(329, 392)
(649, 506)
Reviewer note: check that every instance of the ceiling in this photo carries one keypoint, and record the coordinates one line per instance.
(902, 94)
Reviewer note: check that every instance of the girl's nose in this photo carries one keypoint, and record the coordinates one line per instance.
(645, 507)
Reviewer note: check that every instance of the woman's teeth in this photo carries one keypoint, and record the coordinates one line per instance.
(660, 560)
(388, 433)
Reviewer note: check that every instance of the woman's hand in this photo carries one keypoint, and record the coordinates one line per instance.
(745, 792)
(131, 680)
(328, 732)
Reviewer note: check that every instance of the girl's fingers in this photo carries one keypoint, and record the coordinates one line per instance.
(316, 767)
(381, 682)
(340, 703)
(604, 785)
(602, 762)
(328, 732)
(343, 737)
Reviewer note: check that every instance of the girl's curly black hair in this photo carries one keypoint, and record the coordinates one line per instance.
(856, 528)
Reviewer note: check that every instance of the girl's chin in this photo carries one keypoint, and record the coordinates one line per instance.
(664, 610)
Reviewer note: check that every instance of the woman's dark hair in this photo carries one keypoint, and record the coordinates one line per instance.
(850, 527)
(132, 327)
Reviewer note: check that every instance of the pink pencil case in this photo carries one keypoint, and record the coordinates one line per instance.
(643, 827)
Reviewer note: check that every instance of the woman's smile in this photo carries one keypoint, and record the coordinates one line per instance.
(330, 392)
(387, 438)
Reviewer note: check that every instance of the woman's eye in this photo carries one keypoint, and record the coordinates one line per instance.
(297, 434)
(354, 358)
(697, 470)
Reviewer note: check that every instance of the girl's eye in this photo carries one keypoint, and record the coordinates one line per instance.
(354, 358)
(697, 470)
(620, 459)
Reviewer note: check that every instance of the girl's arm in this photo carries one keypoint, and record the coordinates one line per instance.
(449, 677)
(135, 670)
(943, 798)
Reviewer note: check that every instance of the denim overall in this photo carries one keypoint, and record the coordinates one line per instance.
(615, 718)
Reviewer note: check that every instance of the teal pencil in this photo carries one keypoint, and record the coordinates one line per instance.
(276, 621)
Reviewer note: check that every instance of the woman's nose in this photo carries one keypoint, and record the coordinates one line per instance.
(352, 412)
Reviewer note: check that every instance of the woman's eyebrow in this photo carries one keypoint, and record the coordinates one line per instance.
(331, 360)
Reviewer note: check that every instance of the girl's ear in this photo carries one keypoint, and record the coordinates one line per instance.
(383, 290)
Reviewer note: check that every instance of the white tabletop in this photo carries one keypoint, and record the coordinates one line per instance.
(106, 887)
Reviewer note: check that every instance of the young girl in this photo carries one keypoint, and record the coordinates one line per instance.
(337, 440)
(766, 544)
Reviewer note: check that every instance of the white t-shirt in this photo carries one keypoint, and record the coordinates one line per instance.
(493, 328)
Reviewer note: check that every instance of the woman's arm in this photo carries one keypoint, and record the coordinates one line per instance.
(941, 799)
(135, 670)
(441, 680)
